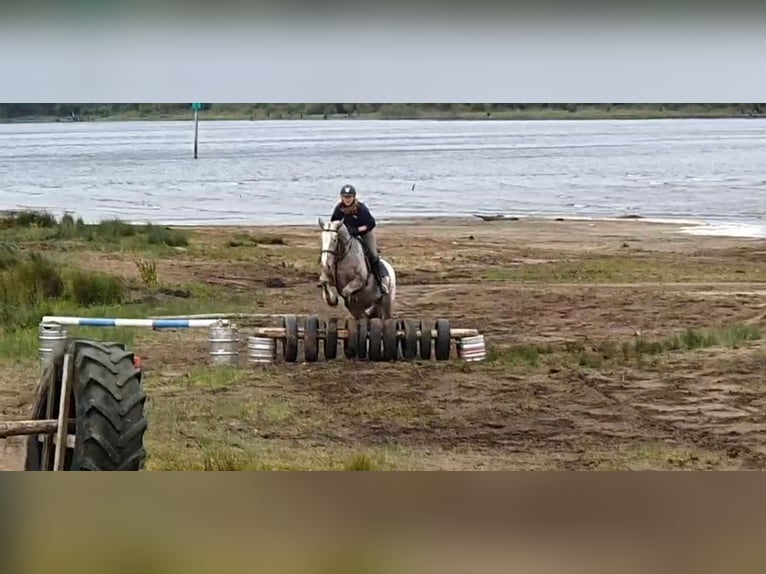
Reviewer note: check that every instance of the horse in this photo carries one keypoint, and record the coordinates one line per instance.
(346, 272)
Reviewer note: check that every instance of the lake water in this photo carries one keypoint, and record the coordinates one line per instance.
(289, 172)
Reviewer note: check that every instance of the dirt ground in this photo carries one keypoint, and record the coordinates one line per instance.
(569, 310)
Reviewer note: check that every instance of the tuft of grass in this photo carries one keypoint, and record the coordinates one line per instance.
(360, 463)
(89, 289)
(147, 271)
(156, 235)
(225, 460)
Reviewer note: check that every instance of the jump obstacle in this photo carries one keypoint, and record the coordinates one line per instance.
(88, 412)
(372, 339)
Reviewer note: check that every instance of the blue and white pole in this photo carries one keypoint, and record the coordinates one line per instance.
(223, 339)
(125, 322)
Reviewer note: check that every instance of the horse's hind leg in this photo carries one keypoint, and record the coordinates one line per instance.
(386, 307)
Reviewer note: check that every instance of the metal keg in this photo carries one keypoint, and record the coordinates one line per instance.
(50, 336)
(472, 348)
(261, 349)
(224, 345)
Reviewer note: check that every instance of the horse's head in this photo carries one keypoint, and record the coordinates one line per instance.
(331, 247)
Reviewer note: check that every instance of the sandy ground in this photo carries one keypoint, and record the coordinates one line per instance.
(557, 300)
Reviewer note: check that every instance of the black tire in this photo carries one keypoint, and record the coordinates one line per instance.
(410, 339)
(390, 340)
(425, 340)
(290, 343)
(361, 339)
(108, 408)
(110, 400)
(375, 351)
(331, 339)
(311, 339)
(352, 340)
(443, 340)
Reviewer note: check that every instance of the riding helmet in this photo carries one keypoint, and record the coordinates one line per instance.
(348, 190)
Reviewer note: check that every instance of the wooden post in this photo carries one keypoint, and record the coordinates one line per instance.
(45, 461)
(61, 431)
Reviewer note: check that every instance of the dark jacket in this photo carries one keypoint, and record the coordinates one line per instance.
(354, 217)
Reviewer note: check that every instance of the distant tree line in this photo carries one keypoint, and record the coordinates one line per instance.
(94, 111)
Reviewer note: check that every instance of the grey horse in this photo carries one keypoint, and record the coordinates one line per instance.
(346, 272)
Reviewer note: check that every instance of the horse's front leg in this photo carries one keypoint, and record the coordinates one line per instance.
(351, 287)
(329, 297)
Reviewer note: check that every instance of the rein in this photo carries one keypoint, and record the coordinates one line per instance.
(335, 256)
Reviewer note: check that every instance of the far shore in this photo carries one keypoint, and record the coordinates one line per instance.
(428, 115)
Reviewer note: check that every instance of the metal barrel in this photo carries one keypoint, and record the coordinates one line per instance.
(224, 345)
(472, 348)
(261, 349)
(50, 335)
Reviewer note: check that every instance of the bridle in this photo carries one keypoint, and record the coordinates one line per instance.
(334, 254)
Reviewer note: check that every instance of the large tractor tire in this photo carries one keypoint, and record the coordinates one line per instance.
(108, 407)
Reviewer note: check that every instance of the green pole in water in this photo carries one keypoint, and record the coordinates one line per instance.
(196, 108)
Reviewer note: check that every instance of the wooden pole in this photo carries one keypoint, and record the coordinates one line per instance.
(22, 428)
(196, 131)
(279, 332)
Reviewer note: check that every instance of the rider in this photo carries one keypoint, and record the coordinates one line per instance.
(360, 222)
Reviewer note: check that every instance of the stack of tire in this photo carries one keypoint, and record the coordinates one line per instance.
(372, 339)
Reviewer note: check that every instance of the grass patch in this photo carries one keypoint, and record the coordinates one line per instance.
(24, 343)
(28, 218)
(244, 240)
(217, 377)
(598, 355)
(733, 336)
(43, 226)
(625, 269)
(219, 456)
(30, 283)
(660, 456)
(519, 355)
(692, 339)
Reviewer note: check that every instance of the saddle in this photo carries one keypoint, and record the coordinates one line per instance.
(368, 260)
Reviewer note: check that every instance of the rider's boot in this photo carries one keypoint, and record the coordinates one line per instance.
(378, 270)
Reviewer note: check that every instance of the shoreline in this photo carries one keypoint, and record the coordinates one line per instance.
(699, 227)
(690, 227)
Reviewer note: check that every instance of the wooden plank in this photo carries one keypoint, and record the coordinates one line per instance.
(61, 431)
